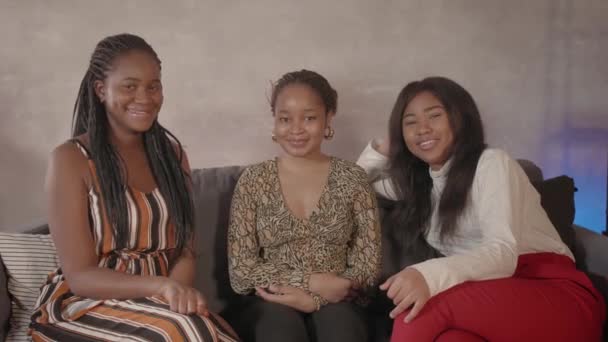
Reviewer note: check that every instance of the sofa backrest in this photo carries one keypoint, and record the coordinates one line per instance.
(213, 188)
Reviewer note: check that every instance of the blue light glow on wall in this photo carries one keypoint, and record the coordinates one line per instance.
(582, 154)
(590, 201)
(575, 140)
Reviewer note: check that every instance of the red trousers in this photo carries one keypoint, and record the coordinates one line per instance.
(547, 299)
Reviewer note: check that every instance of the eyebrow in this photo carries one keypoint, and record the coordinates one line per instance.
(138, 80)
(426, 110)
(307, 110)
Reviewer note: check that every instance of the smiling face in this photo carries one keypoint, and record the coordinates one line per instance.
(300, 120)
(427, 131)
(131, 92)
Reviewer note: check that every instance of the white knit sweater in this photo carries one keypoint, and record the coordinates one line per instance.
(504, 219)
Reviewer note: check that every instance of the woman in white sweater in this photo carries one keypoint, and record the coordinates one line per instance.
(505, 274)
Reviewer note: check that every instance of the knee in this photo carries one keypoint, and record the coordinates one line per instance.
(455, 335)
(277, 314)
(344, 313)
(341, 322)
(264, 321)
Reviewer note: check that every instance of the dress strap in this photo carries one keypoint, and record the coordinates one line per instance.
(81, 147)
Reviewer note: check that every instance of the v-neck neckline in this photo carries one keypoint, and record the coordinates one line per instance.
(317, 203)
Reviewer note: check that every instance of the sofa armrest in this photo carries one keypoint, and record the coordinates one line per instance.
(5, 303)
(591, 251)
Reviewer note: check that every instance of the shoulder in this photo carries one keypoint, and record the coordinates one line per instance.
(67, 163)
(349, 171)
(256, 172)
(495, 157)
(69, 154)
(496, 163)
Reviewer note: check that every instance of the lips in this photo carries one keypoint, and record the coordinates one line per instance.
(139, 113)
(297, 143)
(427, 144)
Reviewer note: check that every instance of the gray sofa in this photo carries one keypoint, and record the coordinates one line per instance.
(213, 192)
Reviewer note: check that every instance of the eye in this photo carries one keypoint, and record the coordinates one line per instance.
(310, 118)
(435, 115)
(130, 87)
(155, 87)
(283, 119)
(409, 123)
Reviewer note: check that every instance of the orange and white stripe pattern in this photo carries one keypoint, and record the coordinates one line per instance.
(62, 316)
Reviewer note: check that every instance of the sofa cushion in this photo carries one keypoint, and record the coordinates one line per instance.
(213, 189)
(28, 258)
(557, 198)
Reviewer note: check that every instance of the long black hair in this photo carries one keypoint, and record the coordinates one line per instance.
(410, 175)
(163, 156)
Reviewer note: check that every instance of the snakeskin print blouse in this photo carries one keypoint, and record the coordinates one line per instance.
(268, 245)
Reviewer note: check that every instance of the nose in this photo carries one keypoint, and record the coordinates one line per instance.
(423, 127)
(142, 96)
(296, 127)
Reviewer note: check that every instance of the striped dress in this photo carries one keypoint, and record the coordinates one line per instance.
(62, 316)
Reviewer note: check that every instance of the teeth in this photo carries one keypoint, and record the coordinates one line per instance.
(427, 144)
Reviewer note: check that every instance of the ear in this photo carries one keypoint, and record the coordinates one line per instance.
(329, 118)
(100, 90)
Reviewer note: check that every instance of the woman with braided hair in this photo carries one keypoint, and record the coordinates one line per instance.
(120, 213)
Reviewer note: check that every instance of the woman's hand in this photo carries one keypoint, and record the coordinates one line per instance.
(407, 288)
(289, 296)
(330, 286)
(381, 145)
(183, 299)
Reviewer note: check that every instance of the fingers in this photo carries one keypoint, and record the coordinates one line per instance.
(187, 301)
(271, 297)
(384, 286)
(415, 310)
(183, 304)
(173, 301)
(279, 290)
(201, 305)
(402, 306)
(352, 294)
(394, 289)
(403, 293)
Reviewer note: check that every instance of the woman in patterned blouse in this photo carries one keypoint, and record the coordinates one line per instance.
(304, 233)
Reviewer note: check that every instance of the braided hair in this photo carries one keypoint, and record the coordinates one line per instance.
(163, 156)
(315, 81)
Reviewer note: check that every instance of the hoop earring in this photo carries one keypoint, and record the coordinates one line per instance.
(329, 133)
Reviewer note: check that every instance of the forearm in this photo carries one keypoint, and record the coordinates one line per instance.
(245, 278)
(492, 261)
(364, 264)
(103, 283)
(184, 269)
(362, 278)
(364, 256)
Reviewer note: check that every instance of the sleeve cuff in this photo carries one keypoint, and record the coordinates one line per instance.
(427, 274)
(305, 280)
(371, 159)
(319, 301)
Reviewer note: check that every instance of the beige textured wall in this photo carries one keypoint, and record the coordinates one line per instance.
(537, 69)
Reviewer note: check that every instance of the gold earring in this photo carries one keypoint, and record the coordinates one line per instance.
(329, 133)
